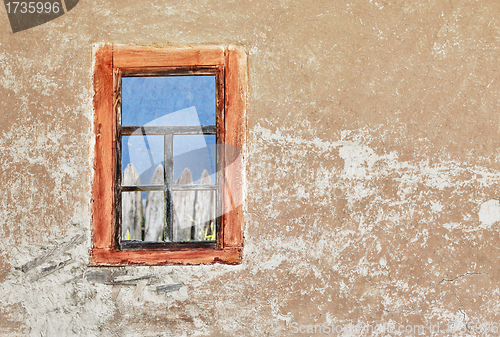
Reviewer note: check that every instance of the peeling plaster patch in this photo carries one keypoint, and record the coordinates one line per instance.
(362, 163)
(87, 298)
(451, 225)
(89, 303)
(344, 289)
(436, 207)
(4, 266)
(71, 171)
(274, 262)
(358, 159)
(489, 212)
(12, 320)
(7, 80)
(44, 84)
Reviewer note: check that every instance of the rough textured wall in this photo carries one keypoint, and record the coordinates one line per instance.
(372, 171)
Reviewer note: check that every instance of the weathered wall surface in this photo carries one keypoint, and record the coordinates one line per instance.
(372, 170)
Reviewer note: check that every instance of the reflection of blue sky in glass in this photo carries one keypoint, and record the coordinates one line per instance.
(145, 153)
(168, 101)
(145, 99)
(196, 152)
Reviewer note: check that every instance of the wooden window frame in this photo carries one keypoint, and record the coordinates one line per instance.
(109, 63)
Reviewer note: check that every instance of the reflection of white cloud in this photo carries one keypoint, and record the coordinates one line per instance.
(187, 116)
(187, 143)
(144, 159)
(193, 152)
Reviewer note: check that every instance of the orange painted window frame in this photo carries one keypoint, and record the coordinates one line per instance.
(109, 60)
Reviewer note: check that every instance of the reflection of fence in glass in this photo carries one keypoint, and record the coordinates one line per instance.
(194, 211)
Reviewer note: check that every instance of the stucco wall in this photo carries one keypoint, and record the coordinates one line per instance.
(372, 169)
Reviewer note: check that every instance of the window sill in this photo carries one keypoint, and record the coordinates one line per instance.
(109, 257)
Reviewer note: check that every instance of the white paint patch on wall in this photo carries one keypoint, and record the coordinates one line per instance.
(436, 207)
(451, 226)
(489, 212)
(358, 159)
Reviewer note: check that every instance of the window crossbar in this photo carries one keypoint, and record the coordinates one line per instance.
(169, 130)
(145, 188)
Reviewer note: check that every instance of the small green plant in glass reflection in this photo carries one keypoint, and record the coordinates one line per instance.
(209, 234)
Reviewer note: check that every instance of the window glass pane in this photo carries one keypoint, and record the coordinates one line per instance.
(168, 100)
(194, 215)
(142, 160)
(132, 215)
(143, 215)
(154, 215)
(196, 154)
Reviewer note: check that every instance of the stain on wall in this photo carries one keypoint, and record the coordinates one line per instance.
(372, 167)
(4, 267)
(13, 320)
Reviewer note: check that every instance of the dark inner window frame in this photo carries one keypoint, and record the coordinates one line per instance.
(168, 132)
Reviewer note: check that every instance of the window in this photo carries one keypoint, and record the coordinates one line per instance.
(169, 129)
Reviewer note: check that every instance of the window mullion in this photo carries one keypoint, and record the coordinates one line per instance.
(169, 181)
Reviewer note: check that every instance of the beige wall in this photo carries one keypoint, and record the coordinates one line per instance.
(372, 160)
